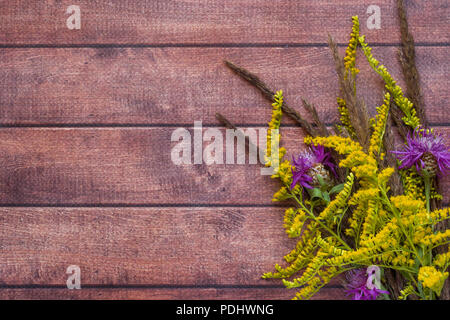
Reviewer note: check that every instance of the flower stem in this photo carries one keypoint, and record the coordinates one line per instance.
(320, 223)
(400, 224)
(427, 181)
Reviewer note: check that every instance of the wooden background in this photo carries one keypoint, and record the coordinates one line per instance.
(86, 118)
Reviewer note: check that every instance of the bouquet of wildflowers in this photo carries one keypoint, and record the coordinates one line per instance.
(359, 206)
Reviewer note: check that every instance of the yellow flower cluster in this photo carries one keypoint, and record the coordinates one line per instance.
(355, 158)
(350, 52)
(350, 67)
(379, 127)
(283, 169)
(432, 278)
(406, 204)
(405, 292)
(402, 259)
(277, 112)
(376, 229)
(284, 172)
(355, 220)
(311, 270)
(345, 118)
(306, 242)
(370, 223)
(335, 206)
(321, 279)
(440, 215)
(308, 291)
(370, 247)
(437, 239)
(420, 232)
(341, 144)
(281, 194)
(365, 168)
(383, 176)
(273, 135)
(367, 172)
(442, 260)
(298, 258)
(329, 245)
(363, 195)
(413, 184)
(294, 221)
(401, 101)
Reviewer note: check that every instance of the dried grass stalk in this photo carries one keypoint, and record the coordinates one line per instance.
(321, 127)
(314, 129)
(359, 117)
(268, 94)
(227, 124)
(407, 57)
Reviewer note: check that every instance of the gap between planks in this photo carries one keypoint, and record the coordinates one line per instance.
(207, 45)
(162, 125)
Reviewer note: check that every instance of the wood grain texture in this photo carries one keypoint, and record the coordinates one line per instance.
(183, 21)
(180, 85)
(61, 166)
(158, 247)
(117, 166)
(166, 294)
(110, 199)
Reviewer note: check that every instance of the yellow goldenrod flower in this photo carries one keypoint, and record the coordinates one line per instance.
(273, 136)
(350, 52)
(442, 260)
(400, 100)
(405, 292)
(379, 127)
(432, 279)
(345, 118)
(340, 144)
(413, 184)
(294, 221)
(436, 239)
(405, 203)
(339, 202)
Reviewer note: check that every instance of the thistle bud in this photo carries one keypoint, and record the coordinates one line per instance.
(319, 169)
(430, 164)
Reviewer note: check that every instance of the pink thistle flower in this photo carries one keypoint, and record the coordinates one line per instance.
(426, 151)
(308, 164)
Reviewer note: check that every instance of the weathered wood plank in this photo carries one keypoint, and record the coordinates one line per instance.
(117, 166)
(165, 294)
(142, 246)
(243, 21)
(180, 85)
(124, 166)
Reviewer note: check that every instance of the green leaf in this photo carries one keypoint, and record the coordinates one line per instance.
(326, 196)
(315, 193)
(321, 181)
(338, 188)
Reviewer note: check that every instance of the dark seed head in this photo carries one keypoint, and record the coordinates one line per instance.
(315, 171)
(431, 165)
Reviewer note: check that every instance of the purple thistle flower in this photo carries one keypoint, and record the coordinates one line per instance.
(357, 286)
(306, 161)
(425, 151)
